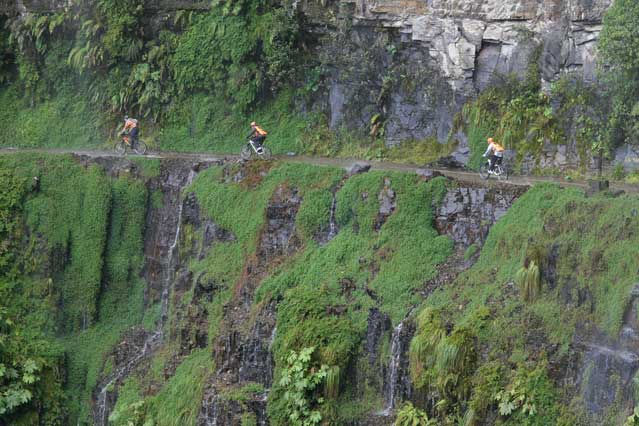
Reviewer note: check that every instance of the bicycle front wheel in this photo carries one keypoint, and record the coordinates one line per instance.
(120, 148)
(245, 153)
(266, 153)
(140, 148)
(483, 171)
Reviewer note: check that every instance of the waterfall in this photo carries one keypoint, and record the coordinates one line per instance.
(394, 367)
(152, 339)
(332, 226)
(170, 270)
(397, 383)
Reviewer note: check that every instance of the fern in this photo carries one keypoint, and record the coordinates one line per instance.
(331, 387)
(409, 415)
(529, 280)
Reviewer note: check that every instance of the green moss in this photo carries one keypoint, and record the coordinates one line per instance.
(589, 244)
(64, 121)
(178, 403)
(91, 228)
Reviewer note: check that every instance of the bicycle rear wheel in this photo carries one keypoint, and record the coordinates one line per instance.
(266, 153)
(140, 148)
(503, 173)
(483, 171)
(245, 152)
(120, 148)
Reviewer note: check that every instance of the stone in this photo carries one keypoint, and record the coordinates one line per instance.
(596, 185)
(427, 174)
(466, 213)
(357, 168)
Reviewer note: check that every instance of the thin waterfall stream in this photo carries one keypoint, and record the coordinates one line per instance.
(156, 337)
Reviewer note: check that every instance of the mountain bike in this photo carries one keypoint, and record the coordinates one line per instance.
(500, 171)
(250, 149)
(139, 147)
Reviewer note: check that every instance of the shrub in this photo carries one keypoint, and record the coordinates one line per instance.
(298, 380)
(529, 282)
(409, 415)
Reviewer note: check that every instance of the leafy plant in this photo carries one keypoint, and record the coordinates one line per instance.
(442, 362)
(529, 280)
(410, 415)
(299, 379)
(18, 374)
(633, 419)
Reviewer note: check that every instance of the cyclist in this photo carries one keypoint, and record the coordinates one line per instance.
(257, 136)
(496, 152)
(130, 131)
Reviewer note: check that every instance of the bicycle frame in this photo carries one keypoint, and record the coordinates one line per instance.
(250, 142)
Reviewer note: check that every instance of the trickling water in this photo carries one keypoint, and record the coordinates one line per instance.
(332, 226)
(394, 365)
(152, 339)
(396, 382)
(272, 339)
(170, 270)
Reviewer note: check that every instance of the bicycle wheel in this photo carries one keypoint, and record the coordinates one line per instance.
(120, 148)
(503, 173)
(140, 148)
(266, 153)
(245, 152)
(483, 171)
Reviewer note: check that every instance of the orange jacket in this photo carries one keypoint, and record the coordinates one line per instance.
(259, 131)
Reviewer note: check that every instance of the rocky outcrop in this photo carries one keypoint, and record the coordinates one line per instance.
(161, 266)
(609, 365)
(10, 7)
(243, 350)
(412, 65)
(467, 211)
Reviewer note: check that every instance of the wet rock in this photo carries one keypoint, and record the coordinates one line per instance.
(397, 382)
(466, 213)
(191, 210)
(386, 198)
(163, 276)
(449, 162)
(596, 186)
(427, 174)
(357, 168)
(220, 409)
(609, 365)
(608, 371)
(243, 350)
(213, 233)
(378, 324)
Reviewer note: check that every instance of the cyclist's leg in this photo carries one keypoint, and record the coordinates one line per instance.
(493, 160)
(258, 143)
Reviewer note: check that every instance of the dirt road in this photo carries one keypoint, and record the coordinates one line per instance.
(461, 175)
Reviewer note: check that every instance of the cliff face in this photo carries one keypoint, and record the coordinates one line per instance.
(214, 272)
(417, 62)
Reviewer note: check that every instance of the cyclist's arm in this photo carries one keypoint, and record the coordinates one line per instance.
(490, 148)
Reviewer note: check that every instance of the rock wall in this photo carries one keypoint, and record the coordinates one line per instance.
(415, 63)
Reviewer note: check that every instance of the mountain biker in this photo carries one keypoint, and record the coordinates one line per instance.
(130, 131)
(257, 136)
(496, 152)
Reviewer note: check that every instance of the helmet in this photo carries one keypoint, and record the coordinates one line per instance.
(253, 123)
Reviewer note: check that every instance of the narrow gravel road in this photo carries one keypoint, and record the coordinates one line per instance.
(461, 175)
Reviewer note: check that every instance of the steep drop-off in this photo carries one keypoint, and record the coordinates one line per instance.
(178, 293)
